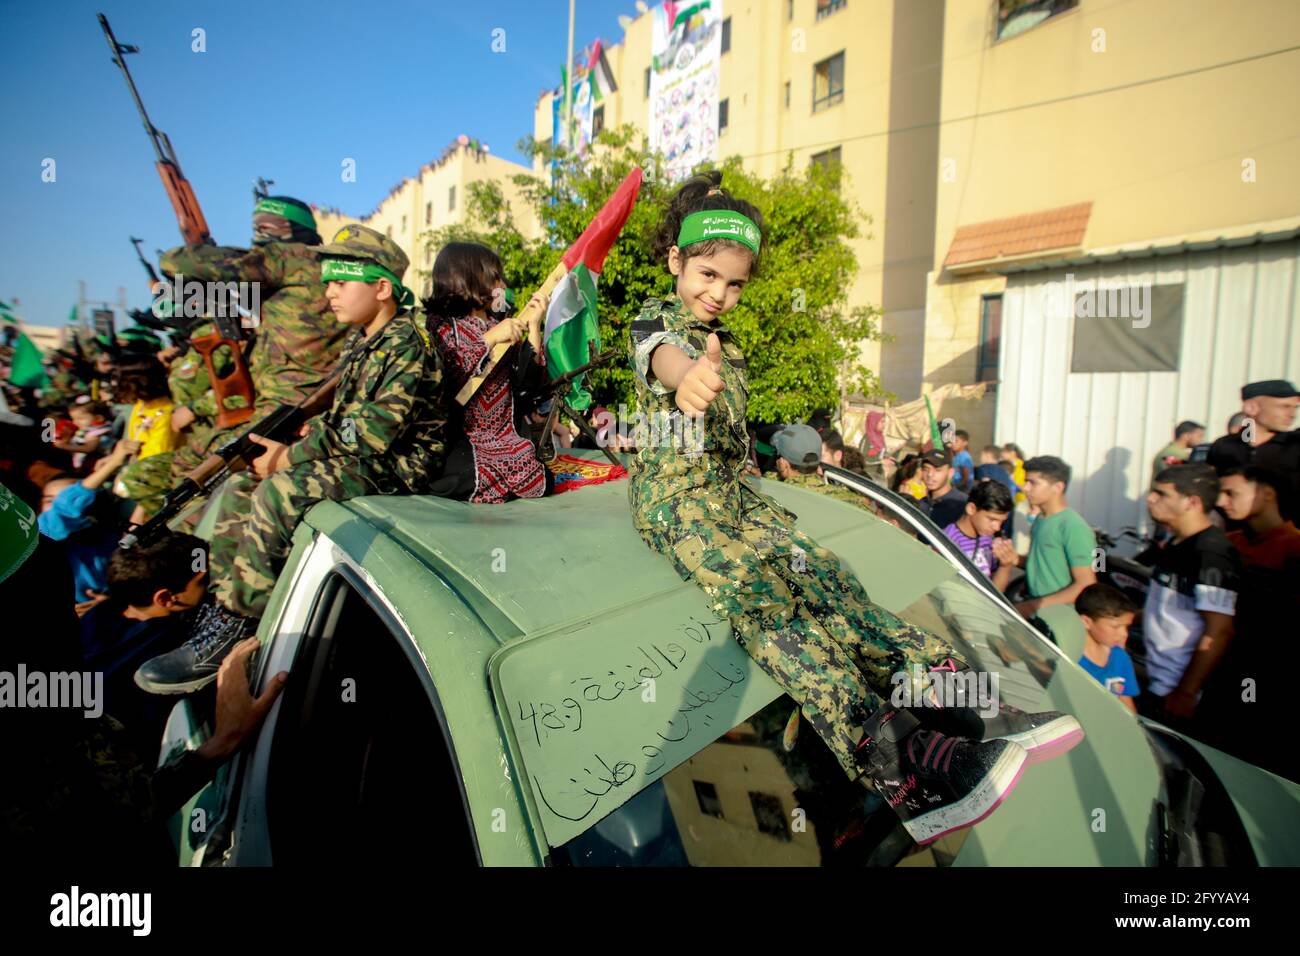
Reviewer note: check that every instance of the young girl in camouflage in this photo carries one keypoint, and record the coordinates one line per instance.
(804, 618)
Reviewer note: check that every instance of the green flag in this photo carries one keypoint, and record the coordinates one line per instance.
(935, 437)
(25, 371)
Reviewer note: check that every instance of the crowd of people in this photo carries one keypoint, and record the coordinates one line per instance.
(124, 420)
(1224, 564)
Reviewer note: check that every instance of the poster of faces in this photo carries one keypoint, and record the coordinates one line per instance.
(686, 47)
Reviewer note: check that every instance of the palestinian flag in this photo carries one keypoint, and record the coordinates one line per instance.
(571, 323)
(599, 75)
(571, 318)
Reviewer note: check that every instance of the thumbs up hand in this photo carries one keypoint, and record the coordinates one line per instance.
(703, 382)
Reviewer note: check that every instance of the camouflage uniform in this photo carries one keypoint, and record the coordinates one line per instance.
(298, 343)
(383, 435)
(802, 616)
(148, 480)
(823, 486)
(64, 385)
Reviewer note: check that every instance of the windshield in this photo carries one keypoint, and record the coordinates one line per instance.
(756, 798)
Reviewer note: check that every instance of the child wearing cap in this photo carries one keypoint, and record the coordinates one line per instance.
(381, 435)
(794, 608)
(798, 448)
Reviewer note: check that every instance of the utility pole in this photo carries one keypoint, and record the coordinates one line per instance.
(568, 84)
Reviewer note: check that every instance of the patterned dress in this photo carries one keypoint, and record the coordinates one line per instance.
(504, 463)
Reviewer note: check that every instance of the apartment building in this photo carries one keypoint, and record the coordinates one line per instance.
(848, 81)
(1109, 156)
(434, 198)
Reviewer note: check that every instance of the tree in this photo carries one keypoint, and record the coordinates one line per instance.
(800, 338)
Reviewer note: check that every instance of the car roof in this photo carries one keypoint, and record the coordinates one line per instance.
(533, 565)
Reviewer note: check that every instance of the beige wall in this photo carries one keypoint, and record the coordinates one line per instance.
(887, 84)
(423, 203)
(1160, 158)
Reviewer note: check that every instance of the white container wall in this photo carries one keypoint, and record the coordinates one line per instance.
(1241, 323)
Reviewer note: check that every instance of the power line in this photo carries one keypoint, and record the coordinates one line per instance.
(1026, 106)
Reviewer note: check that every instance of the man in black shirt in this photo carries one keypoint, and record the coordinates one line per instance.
(942, 502)
(1191, 603)
(1267, 438)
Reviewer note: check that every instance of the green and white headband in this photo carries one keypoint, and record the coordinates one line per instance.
(719, 224)
(360, 270)
(277, 207)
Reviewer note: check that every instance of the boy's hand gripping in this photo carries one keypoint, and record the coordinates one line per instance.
(703, 382)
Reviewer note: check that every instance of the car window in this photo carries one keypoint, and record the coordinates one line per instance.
(358, 758)
(747, 800)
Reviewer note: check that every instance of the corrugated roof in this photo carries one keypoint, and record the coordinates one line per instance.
(1150, 250)
(1035, 232)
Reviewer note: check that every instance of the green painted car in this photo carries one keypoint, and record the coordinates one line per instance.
(528, 684)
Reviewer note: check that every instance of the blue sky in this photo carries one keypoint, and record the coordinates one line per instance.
(286, 90)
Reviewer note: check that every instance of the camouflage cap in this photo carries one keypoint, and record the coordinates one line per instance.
(362, 242)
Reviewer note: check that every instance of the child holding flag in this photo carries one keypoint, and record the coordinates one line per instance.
(797, 612)
(488, 457)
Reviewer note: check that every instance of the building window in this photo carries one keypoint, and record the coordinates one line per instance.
(826, 158)
(451, 199)
(826, 7)
(726, 35)
(707, 797)
(388, 231)
(428, 213)
(724, 115)
(1017, 16)
(769, 815)
(647, 82)
(1129, 328)
(403, 225)
(597, 120)
(828, 82)
(789, 9)
(787, 94)
(986, 363)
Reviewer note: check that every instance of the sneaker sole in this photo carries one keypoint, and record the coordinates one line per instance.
(1050, 740)
(978, 804)
(173, 689)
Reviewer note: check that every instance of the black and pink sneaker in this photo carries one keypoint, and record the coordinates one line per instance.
(1043, 735)
(935, 783)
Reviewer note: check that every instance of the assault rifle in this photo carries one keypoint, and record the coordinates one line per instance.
(558, 389)
(234, 455)
(177, 326)
(194, 230)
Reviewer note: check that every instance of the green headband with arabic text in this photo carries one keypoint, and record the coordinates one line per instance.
(360, 270)
(719, 224)
(285, 210)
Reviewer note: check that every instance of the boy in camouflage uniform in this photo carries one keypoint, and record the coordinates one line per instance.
(382, 435)
(792, 606)
(298, 340)
(798, 449)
